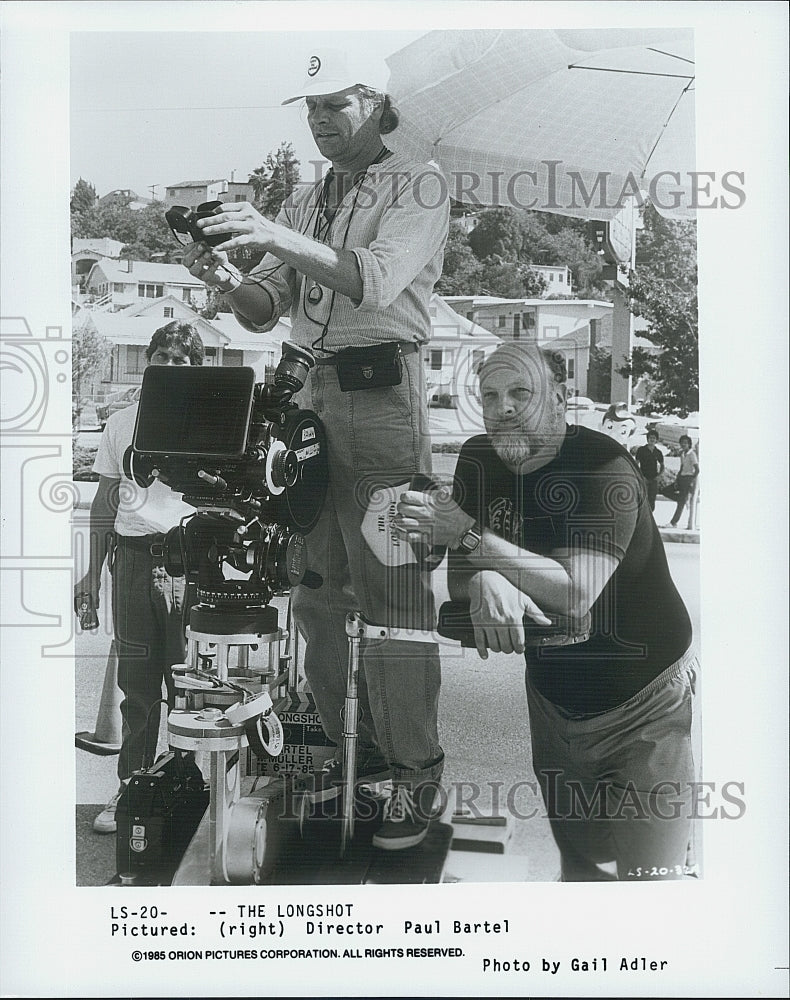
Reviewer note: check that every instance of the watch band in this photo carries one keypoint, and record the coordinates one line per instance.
(233, 282)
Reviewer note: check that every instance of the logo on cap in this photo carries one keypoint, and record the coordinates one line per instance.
(314, 66)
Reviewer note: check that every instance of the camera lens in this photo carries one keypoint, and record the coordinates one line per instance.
(294, 367)
(285, 468)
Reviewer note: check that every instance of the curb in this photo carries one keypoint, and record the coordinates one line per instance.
(679, 535)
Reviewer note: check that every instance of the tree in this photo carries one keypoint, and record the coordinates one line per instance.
(568, 246)
(89, 354)
(275, 180)
(663, 289)
(599, 374)
(497, 234)
(153, 237)
(144, 232)
(461, 271)
(83, 197)
(510, 279)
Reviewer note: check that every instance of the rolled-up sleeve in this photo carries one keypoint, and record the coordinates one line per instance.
(276, 278)
(412, 231)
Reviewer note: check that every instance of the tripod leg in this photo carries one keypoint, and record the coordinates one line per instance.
(350, 736)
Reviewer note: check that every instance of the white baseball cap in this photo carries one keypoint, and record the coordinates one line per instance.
(328, 72)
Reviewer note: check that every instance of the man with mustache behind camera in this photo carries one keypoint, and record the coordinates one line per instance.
(353, 260)
(549, 520)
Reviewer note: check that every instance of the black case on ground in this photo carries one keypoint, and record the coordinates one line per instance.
(158, 813)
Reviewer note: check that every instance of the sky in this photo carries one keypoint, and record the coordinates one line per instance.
(156, 108)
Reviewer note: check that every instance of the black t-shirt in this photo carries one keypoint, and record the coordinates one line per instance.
(590, 496)
(650, 462)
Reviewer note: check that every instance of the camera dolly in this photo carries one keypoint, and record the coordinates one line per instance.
(219, 713)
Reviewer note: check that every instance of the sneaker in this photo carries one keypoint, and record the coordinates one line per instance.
(406, 821)
(327, 784)
(105, 821)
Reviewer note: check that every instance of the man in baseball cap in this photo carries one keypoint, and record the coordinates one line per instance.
(352, 260)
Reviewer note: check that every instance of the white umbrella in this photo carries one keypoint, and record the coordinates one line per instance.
(566, 121)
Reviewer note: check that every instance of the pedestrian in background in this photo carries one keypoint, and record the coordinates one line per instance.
(686, 482)
(651, 464)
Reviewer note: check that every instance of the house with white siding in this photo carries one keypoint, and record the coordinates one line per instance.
(85, 253)
(450, 357)
(129, 332)
(456, 348)
(541, 320)
(190, 194)
(121, 283)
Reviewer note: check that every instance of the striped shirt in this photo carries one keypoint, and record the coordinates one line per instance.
(395, 223)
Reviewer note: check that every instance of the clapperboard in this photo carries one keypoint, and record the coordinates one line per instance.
(306, 746)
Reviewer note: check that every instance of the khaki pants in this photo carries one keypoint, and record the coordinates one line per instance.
(619, 786)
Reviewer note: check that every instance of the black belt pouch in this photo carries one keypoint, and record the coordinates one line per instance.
(369, 367)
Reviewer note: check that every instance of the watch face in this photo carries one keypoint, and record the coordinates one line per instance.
(470, 540)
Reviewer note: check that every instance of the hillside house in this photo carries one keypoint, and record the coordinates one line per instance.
(193, 193)
(558, 278)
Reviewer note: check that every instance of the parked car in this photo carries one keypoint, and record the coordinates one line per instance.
(671, 428)
(119, 401)
(580, 403)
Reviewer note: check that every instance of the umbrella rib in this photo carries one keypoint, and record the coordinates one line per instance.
(672, 55)
(462, 121)
(632, 72)
(669, 118)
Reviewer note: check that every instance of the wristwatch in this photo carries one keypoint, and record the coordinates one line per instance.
(470, 539)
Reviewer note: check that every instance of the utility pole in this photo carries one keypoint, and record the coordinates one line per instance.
(152, 188)
(617, 246)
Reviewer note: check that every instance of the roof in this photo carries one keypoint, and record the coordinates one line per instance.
(580, 337)
(447, 323)
(483, 300)
(103, 245)
(120, 328)
(240, 339)
(137, 323)
(197, 184)
(492, 300)
(144, 307)
(147, 270)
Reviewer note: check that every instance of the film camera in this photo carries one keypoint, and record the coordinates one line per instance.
(250, 461)
(183, 222)
(253, 464)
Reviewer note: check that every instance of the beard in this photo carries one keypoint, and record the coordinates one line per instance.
(521, 450)
(513, 448)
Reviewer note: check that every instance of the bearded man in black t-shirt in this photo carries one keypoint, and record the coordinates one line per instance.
(550, 522)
